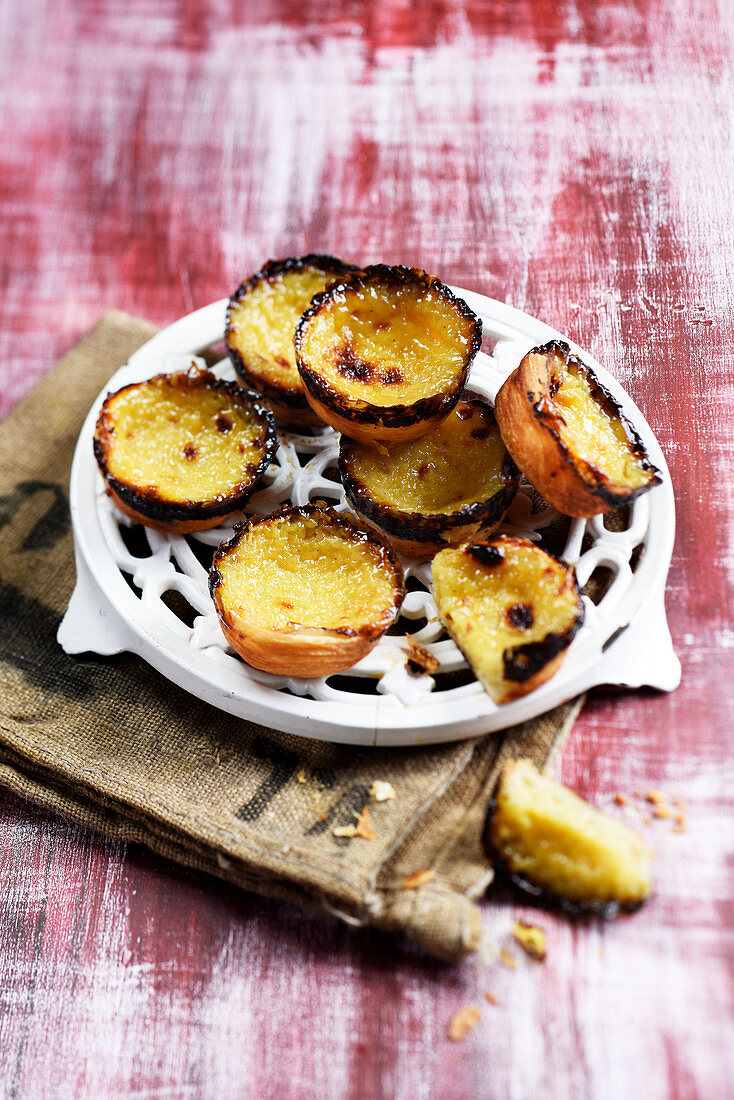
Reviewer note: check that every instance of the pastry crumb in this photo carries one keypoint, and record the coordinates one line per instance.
(362, 828)
(412, 882)
(531, 938)
(491, 997)
(621, 799)
(508, 959)
(301, 777)
(662, 811)
(655, 796)
(420, 661)
(462, 1023)
(381, 791)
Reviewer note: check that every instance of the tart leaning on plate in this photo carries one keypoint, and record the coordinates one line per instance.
(261, 322)
(511, 608)
(569, 436)
(304, 591)
(384, 353)
(453, 484)
(183, 451)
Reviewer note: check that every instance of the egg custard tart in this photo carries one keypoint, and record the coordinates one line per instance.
(555, 845)
(569, 436)
(512, 609)
(384, 353)
(261, 322)
(304, 591)
(183, 451)
(453, 484)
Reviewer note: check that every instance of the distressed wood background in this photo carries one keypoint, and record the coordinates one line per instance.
(571, 157)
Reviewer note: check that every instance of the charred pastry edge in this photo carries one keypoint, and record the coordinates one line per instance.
(543, 652)
(369, 631)
(148, 503)
(594, 478)
(288, 400)
(358, 410)
(594, 907)
(428, 527)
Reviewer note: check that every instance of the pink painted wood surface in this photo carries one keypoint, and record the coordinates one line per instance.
(570, 157)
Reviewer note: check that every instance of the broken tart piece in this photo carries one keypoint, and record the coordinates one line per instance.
(555, 845)
(569, 436)
(183, 451)
(384, 353)
(452, 484)
(261, 322)
(511, 608)
(304, 591)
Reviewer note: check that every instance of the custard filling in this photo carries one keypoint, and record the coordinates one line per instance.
(455, 465)
(263, 324)
(550, 836)
(589, 430)
(520, 598)
(190, 443)
(293, 574)
(388, 345)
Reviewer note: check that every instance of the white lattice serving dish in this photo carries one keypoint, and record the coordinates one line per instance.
(126, 574)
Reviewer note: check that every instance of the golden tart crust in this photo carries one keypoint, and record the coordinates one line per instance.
(569, 436)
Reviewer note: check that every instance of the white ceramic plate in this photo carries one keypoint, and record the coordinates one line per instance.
(126, 573)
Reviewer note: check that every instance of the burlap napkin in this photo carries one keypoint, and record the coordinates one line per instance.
(113, 745)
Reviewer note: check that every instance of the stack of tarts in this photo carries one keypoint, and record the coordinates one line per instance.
(382, 355)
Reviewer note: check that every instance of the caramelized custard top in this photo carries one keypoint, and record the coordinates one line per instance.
(296, 572)
(456, 464)
(261, 325)
(589, 429)
(189, 442)
(388, 344)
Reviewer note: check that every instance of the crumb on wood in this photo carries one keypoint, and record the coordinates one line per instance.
(418, 878)
(491, 997)
(382, 791)
(420, 661)
(508, 959)
(531, 938)
(462, 1023)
